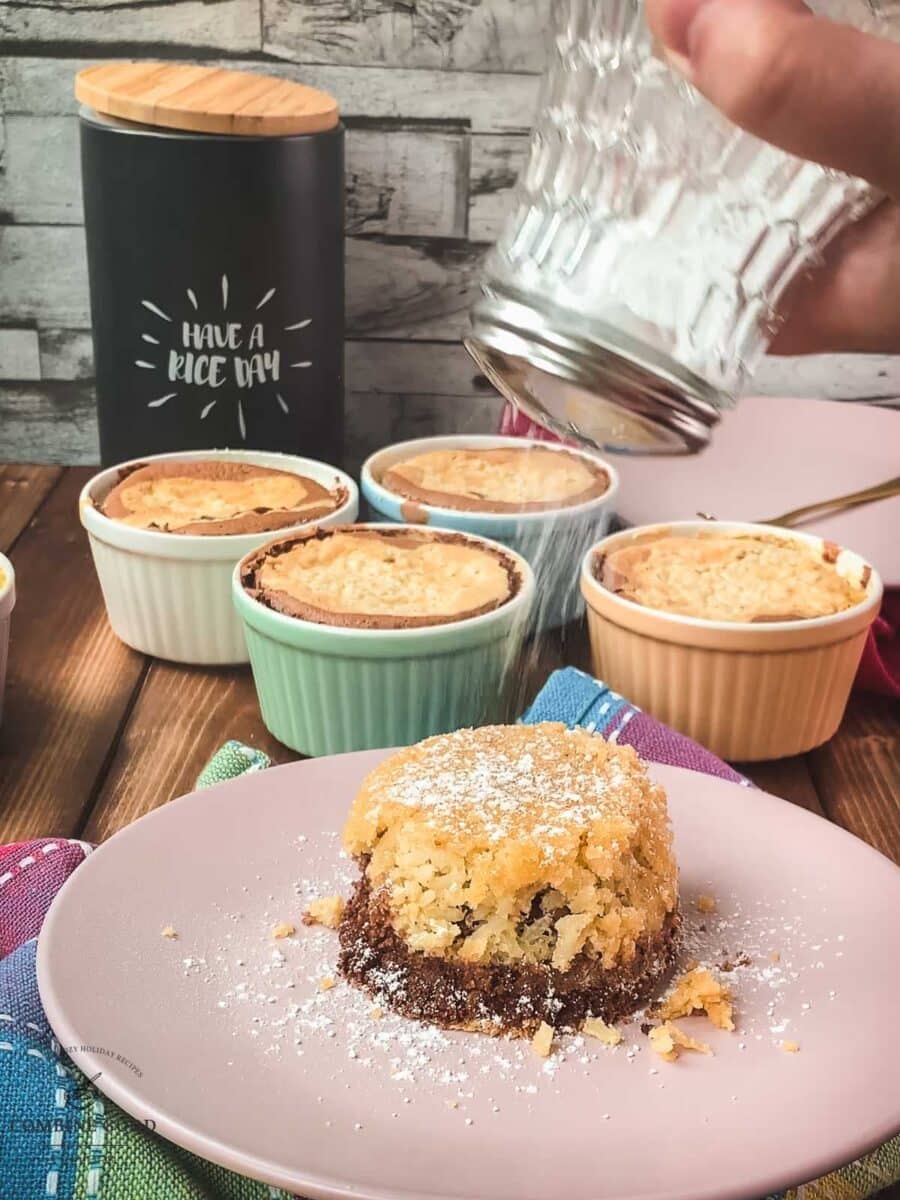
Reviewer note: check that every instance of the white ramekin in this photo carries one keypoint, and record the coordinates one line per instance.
(7, 603)
(169, 594)
(328, 689)
(745, 691)
(552, 541)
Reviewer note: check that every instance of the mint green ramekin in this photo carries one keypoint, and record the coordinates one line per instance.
(324, 689)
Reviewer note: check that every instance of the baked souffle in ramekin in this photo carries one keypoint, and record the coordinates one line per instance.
(371, 577)
(511, 875)
(730, 577)
(211, 497)
(504, 479)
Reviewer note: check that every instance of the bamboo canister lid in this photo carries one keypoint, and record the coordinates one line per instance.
(205, 99)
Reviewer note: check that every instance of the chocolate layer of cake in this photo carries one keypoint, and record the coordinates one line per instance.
(357, 576)
(212, 497)
(493, 997)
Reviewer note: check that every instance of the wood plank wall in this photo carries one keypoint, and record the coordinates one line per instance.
(438, 96)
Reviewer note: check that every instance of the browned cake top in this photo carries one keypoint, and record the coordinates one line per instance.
(214, 497)
(730, 577)
(501, 479)
(381, 578)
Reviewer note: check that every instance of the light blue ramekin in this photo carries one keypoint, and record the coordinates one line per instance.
(553, 541)
(326, 689)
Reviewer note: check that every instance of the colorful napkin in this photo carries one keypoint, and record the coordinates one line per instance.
(62, 1138)
(879, 669)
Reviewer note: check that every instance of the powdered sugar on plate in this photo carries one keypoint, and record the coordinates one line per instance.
(271, 993)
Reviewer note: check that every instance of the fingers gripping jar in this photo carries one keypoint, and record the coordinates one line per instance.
(637, 279)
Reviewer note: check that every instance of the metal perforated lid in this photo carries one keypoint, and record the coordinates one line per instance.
(591, 383)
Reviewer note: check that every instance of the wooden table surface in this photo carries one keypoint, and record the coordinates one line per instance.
(94, 734)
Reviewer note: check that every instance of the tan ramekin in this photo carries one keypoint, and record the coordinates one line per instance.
(745, 691)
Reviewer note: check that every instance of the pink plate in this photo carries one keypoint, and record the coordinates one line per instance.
(771, 455)
(225, 1038)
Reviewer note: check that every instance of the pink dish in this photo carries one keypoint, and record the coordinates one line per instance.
(330, 1101)
(771, 455)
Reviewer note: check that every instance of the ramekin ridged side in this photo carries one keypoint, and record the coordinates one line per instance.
(7, 603)
(745, 691)
(325, 689)
(169, 595)
(553, 541)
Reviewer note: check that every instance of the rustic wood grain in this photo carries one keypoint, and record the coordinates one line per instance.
(407, 182)
(23, 489)
(66, 354)
(488, 102)
(420, 291)
(20, 356)
(226, 25)
(181, 717)
(483, 35)
(857, 773)
(40, 172)
(48, 422)
(44, 272)
(69, 681)
(496, 160)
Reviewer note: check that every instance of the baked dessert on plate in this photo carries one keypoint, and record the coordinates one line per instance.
(511, 875)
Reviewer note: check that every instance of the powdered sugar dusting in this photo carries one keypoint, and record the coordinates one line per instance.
(551, 779)
(270, 995)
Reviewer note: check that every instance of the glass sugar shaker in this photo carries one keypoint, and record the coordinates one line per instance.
(635, 284)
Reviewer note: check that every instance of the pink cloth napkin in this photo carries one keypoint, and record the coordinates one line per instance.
(879, 668)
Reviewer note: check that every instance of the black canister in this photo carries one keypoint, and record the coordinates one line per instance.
(214, 219)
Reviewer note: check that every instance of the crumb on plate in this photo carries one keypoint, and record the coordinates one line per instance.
(607, 1034)
(169, 932)
(542, 1041)
(699, 991)
(706, 904)
(790, 1047)
(668, 1041)
(284, 929)
(326, 983)
(325, 910)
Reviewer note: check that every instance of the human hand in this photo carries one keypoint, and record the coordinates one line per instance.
(825, 92)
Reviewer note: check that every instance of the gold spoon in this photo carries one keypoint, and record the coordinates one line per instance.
(878, 491)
